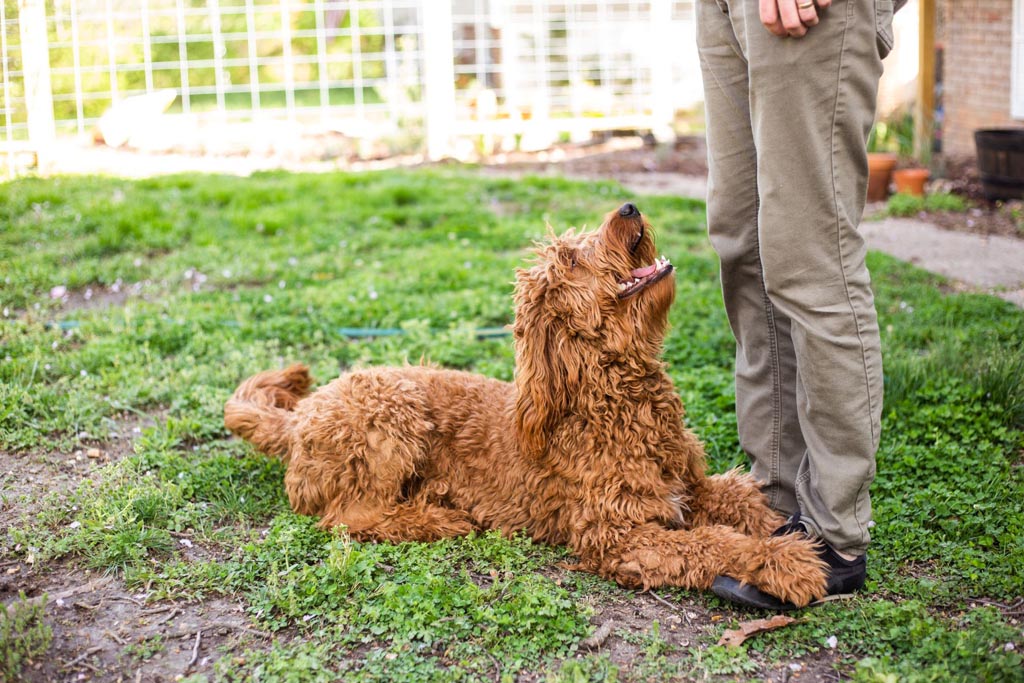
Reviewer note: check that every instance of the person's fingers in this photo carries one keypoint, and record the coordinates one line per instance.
(790, 16)
(769, 10)
(807, 12)
(822, 4)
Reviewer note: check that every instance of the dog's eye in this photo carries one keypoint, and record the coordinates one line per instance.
(572, 263)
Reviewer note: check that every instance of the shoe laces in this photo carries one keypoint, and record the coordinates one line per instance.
(793, 525)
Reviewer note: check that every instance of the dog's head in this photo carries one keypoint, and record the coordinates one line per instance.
(592, 300)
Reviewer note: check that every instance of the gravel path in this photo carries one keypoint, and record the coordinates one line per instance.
(989, 263)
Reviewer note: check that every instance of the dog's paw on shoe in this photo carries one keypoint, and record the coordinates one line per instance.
(842, 576)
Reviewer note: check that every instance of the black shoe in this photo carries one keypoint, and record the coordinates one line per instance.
(744, 594)
(844, 576)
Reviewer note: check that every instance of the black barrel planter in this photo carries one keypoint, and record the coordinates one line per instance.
(1001, 162)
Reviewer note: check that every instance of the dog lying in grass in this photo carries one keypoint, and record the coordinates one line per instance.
(586, 447)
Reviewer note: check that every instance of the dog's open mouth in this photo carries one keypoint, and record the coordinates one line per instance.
(641, 278)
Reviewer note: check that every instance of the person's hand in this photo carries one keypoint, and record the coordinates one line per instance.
(791, 17)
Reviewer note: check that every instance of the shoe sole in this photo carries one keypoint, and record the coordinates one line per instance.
(744, 594)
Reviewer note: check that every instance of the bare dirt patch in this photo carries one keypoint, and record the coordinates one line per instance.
(624, 624)
(678, 169)
(28, 479)
(103, 632)
(611, 157)
(95, 297)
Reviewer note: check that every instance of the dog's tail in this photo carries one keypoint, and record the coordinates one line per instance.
(260, 410)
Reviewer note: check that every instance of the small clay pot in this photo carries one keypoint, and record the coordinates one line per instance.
(880, 167)
(910, 180)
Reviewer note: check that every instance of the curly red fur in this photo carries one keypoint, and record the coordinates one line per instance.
(586, 447)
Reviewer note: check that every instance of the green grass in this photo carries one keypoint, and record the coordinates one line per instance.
(902, 204)
(24, 636)
(230, 276)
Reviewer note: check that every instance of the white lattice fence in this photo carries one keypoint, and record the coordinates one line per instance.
(456, 69)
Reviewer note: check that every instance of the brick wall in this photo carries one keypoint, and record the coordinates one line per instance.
(976, 89)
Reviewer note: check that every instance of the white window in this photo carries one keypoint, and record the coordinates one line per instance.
(1017, 67)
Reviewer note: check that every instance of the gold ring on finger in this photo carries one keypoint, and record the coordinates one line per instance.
(806, 5)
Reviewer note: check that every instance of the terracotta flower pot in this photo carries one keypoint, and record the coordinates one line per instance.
(880, 167)
(910, 180)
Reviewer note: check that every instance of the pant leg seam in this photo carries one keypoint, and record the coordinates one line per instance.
(839, 247)
(773, 349)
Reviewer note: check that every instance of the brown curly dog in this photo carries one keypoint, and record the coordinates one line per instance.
(587, 447)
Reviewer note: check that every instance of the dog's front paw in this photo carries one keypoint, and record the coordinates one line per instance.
(628, 574)
(790, 568)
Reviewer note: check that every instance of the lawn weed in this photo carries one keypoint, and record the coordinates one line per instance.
(24, 636)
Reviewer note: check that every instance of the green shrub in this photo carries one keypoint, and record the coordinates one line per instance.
(895, 135)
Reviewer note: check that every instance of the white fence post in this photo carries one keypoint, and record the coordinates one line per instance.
(661, 70)
(8, 133)
(439, 76)
(35, 60)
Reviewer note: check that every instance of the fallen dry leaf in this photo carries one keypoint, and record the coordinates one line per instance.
(735, 637)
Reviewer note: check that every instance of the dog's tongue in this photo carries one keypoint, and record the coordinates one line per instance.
(645, 271)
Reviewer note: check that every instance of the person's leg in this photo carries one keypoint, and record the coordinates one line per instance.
(812, 102)
(766, 413)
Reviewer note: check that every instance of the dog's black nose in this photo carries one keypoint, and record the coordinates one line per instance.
(628, 210)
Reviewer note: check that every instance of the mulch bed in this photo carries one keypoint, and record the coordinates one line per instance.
(1004, 218)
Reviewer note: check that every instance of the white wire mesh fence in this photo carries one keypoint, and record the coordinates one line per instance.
(447, 68)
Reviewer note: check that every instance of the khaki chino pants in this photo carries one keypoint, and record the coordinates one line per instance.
(787, 124)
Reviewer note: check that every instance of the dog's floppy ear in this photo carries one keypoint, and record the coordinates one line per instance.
(547, 370)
